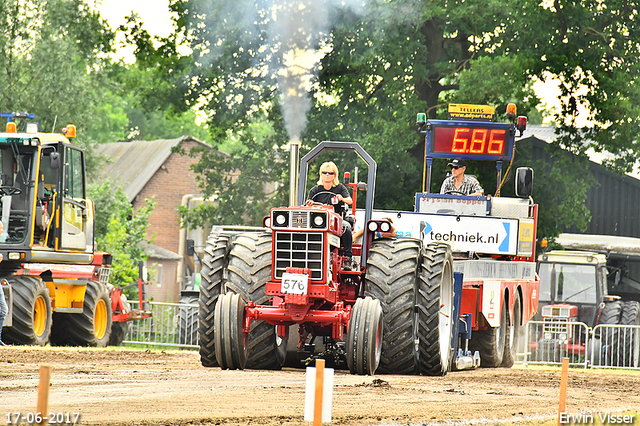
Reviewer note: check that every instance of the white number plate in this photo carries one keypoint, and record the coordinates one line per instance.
(294, 283)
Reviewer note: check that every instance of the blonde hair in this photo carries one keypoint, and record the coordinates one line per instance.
(329, 165)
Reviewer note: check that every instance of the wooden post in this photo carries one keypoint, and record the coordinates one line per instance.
(563, 387)
(43, 393)
(317, 412)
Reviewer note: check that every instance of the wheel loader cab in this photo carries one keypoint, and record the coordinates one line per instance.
(43, 204)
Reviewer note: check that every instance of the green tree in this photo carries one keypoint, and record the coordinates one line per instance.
(384, 64)
(48, 51)
(120, 231)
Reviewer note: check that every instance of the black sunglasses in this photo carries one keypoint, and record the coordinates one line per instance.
(328, 173)
(455, 167)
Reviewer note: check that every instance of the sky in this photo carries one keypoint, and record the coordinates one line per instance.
(154, 13)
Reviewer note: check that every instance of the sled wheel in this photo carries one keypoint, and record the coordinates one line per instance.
(364, 344)
(513, 335)
(491, 342)
(231, 347)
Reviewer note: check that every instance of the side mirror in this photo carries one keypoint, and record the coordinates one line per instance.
(191, 248)
(54, 160)
(524, 182)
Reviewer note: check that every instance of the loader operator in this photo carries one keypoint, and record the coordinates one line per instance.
(331, 192)
(458, 183)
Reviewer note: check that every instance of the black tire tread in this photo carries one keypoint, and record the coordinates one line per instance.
(392, 269)
(188, 320)
(511, 348)
(25, 291)
(249, 270)
(436, 258)
(212, 273)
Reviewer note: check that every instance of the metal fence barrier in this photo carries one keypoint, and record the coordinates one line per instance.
(616, 346)
(605, 346)
(548, 342)
(172, 324)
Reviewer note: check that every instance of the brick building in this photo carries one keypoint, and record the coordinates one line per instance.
(147, 169)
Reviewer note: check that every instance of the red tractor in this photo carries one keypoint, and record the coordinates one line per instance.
(393, 311)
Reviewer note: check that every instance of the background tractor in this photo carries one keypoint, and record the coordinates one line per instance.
(56, 285)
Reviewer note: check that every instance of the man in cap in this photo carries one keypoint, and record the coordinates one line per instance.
(458, 183)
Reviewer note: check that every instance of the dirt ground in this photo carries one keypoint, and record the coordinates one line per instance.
(151, 387)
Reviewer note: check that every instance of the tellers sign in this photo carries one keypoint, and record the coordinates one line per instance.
(486, 141)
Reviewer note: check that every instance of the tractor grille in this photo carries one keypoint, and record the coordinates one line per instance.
(299, 219)
(555, 326)
(300, 250)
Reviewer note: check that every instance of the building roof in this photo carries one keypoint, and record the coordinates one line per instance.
(544, 133)
(133, 164)
(159, 253)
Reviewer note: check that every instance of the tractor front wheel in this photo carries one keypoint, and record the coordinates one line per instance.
(364, 344)
(231, 347)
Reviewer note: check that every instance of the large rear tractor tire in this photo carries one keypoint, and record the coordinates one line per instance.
(609, 354)
(391, 276)
(188, 320)
(213, 266)
(630, 338)
(119, 330)
(411, 284)
(249, 270)
(32, 312)
(514, 335)
(364, 340)
(231, 348)
(436, 323)
(491, 342)
(90, 328)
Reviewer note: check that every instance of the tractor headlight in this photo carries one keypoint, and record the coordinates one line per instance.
(280, 219)
(373, 226)
(563, 336)
(547, 335)
(385, 227)
(318, 220)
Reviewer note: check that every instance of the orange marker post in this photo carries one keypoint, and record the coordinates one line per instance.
(317, 412)
(43, 393)
(563, 388)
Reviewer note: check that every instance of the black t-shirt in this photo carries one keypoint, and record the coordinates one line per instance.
(328, 196)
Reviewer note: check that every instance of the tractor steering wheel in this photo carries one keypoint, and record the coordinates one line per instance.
(453, 191)
(10, 190)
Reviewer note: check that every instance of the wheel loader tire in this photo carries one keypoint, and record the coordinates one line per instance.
(364, 338)
(32, 312)
(514, 335)
(188, 320)
(92, 327)
(491, 342)
(249, 270)
(214, 264)
(436, 322)
(630, 338)
(231, 348)
(119, 330)
(611, 314)
(391, 276)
